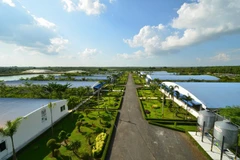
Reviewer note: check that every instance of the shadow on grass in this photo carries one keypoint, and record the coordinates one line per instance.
(63, 157)
(92, 118)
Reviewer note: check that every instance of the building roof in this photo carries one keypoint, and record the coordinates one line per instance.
(97, 85)
(12, 108)
(183, 77)
(214, 94)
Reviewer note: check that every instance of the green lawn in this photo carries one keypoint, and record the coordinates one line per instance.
(102, 103)
(113, 94)
(37, 150)
(155, 108)
(122, 79)
(115, 87)
(138, 80)
(148, 93)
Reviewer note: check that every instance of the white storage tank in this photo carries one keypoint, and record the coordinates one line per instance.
(208, 117)
(228, 130)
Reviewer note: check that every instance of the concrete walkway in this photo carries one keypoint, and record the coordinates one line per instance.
(135, 139)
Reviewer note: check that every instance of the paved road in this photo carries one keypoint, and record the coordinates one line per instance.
(135, 139)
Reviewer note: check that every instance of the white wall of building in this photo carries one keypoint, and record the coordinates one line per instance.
(32, 126)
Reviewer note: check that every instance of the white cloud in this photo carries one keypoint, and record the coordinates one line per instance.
(112, 1)
(196, 22)
(57, 44)
(68, 5)
(9, 2)
(221, 57)
(149, 37)
(90, 7)
(26, 50)
(136, 55)
(43, 22)
(89, 53)
(31, 34)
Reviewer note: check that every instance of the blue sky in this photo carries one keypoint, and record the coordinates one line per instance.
(119, 32)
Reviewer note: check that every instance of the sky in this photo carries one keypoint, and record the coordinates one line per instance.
(119, 33)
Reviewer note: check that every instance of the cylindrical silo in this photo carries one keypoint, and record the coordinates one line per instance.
(228, 130)
(208, 117)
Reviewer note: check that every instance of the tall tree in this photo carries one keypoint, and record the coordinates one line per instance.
(51, 106)
(10, 130)
(163, 87)
(171, 92)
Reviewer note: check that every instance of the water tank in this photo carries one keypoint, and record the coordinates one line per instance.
(208, 117)
(228, 130)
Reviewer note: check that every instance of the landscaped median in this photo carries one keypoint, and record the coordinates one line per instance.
(81, 128)
(164, 114)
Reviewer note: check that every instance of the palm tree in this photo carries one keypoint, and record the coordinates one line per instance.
(187, 98)
(154, 86)
(10, 130)
(88, 89)
(55, 90)
(164, 87)
(50, 106)
(171, 92)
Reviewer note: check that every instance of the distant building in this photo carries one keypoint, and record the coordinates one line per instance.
(36, 119)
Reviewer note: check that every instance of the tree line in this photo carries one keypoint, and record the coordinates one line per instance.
(50, 91)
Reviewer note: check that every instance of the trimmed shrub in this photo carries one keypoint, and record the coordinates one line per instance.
(98, 130)
(100, 142)
(108, 125)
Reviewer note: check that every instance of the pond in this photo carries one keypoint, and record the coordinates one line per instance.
(18, 77)
(73, 83)
(214, 94)
(25, 76)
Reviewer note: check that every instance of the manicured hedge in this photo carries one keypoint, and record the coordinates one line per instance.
(161, 125)
(106, 148)
(120, 104)
(142, 109)
(162, 119)
(177, 123)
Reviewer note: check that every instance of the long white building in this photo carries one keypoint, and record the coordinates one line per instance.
(36, 119)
